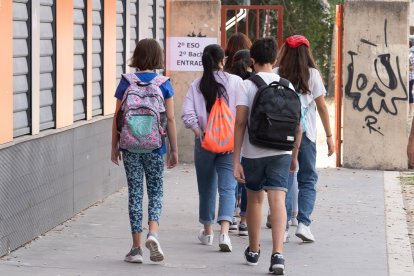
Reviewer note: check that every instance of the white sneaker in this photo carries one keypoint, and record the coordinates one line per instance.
(156, 254)
(304, 233)
(294, 222)
(225, 243)
(134, 255)
(205, 239)
(286, 237)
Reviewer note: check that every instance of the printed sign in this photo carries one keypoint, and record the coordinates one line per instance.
(186, 52)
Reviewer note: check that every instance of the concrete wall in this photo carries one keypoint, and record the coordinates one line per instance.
(375, 84)
(47, 180)
(187, 16)
(411, 17)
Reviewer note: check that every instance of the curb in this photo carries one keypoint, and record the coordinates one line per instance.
(400, 257)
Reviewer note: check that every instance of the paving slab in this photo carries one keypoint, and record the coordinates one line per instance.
(349, 224)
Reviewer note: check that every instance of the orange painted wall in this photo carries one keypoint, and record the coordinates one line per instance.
(109, 58)
(64, 63)
(89, 59)
(6, 71)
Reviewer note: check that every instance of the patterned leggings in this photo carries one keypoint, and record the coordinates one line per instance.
(152, 164)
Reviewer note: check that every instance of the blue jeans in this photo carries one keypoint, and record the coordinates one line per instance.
(307, 178)
(214, 172)
(292, 195)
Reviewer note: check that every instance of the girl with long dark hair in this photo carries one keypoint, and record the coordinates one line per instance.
(214, 170)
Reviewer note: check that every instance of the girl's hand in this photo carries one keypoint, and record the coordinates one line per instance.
(197, 133)
(172, 159)
(331, 146)
(116, 155)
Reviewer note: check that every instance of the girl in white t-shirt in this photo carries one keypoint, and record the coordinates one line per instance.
(295, 63)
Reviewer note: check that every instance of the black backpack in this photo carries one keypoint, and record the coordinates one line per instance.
(275, 115)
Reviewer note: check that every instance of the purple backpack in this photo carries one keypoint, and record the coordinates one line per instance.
(141, 120)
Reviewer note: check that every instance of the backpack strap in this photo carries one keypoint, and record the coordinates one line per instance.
(284, 82)
(158, 80)
(257, 80)
(131, 78)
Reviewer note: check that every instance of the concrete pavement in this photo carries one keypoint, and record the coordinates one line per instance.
(353, 224)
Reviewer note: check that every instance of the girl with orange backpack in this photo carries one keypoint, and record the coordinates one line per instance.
(213, 93)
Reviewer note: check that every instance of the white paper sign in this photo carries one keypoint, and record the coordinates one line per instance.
(186, 52)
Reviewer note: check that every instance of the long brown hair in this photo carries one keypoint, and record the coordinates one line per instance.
(237, 41)
(294, 64)
(148, 55)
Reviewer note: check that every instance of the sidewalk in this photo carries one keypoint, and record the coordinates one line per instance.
(349, 226)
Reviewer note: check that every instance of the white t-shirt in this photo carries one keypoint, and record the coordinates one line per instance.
(317, 89)
(245, 97)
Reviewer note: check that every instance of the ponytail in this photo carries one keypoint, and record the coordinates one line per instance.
(211, 89)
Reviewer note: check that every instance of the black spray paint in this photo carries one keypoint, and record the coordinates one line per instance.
(379, 88)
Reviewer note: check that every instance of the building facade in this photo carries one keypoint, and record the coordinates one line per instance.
(60, 63)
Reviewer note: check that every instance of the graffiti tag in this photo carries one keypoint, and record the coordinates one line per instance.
(377, 94)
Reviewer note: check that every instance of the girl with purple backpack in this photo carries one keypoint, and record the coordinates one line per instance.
(147, 57)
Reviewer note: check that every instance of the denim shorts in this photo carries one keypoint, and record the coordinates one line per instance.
(267, 173)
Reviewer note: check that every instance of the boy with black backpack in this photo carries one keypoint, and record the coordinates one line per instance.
(267, 135)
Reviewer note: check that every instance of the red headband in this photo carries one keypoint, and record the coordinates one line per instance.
(295, 41)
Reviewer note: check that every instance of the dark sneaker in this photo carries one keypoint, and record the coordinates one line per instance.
(134, 256)
(243, 229)
(277, 264)
(156, 254)
(268, 223)
(233, 225)
(252, 258)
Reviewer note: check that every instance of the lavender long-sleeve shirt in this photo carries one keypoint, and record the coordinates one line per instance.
(194, 113)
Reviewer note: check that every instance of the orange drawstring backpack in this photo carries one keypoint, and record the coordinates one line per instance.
(219, 133)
